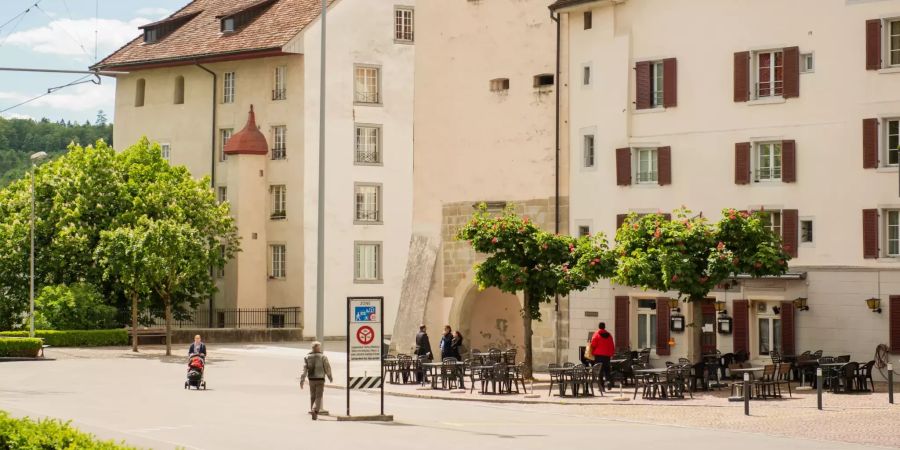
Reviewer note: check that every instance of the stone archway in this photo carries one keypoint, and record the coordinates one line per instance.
(487, 319)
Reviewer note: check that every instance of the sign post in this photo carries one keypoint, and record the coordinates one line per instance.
(365, 342)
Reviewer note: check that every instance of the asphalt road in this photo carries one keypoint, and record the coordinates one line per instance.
(253, 402)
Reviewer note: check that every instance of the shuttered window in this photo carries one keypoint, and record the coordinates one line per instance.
(621, 325)
(662, 326)
(741, 329)
(742, 163)
(646, 324)
(892, 231)
(790, 231)
(767, 73)
(623, 166)
(893, 40)
(873, 44)
(870, 143)
(788, 161)
(894, 319)
(768, 161)
(892, 141)
(870, 233)
(788, 343)
(664, 161)
(656, 84)
(647, 166)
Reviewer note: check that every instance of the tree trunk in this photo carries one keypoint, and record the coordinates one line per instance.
(134, 322)
(168, 304)
(526, 321)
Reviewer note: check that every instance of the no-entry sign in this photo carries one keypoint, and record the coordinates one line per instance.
(365, 330)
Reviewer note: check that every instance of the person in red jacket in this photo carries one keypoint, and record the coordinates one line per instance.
(603, 348)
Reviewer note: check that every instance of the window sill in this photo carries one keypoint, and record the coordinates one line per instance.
(887, 70)
(367, 104)
(658, 109)
(367, 222)
(360, 163)
(768, 183)
(368, 281)
(767, 101)
(887, 169)
(277, 219)
(271, 278)
(404, 41)
(649, 184)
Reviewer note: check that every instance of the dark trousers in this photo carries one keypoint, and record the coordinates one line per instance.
(606, 367)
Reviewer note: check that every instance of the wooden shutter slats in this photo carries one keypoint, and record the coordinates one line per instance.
(741, 76)
(742, 163)
(670, 82)
(741, 327)
(788, 333)
(623, 166)
(894, 324)
(790, 230)
(873, 44)
(622, 327)
(664, 165)
(620, 219)
(870, 233)
(643, 85)
(791, 84)
(788, 161)
(662, 327)
(870, 143)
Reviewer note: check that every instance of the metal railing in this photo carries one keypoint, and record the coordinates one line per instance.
(366, 97)
(772, 174)
(365, 215)
(367, 157)
(279, 94)
(647, 177)
(278, 215)
(768, 89)
(287, 317)
(279, 153)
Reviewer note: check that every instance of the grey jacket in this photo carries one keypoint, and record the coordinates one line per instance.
(315, 367)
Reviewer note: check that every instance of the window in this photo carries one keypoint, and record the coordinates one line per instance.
(589, 150)
(584, 230)
(224, 136)
(893, 38)
(588, 20)
(500, 84)
(139, 89)
(368, 262)
(179, 90)
(768, 161)
(893, 232)
(222, 194)
(403, 24)
(277, 269)
(806, 231)
(367, 203)
(656, 77)
(228, 25)
(276, 320)
(228, 88)
(769, 334)
(279, 138)
(892, 141)
(586, 76)
(544, 80)
(278, 192)
(151, 35)
(280, 91)
(769, 73)
(368, 144)
(647, 169)
(646, 324)
(772, 221)
(166, 152)
(367, 85)
(807, 64)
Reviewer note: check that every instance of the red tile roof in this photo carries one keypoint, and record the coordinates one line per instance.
(201, 37)
(248, 141)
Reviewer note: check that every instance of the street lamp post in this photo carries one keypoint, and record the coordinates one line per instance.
(35, 158)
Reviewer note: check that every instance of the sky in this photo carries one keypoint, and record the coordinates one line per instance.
(68, 35)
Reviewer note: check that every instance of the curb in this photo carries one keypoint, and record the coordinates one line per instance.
(19, 359)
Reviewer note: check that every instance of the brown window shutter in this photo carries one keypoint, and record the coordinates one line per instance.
(620, 219)
(789, 231)
(622, 326)
(667, 216)
(664, 165)
(741, 76)
(643, 85)
(870, 233)
(870, 143)
(894, 324)
(788, 339)
(623, 166)
(791, 72)
(670, 82)
(742, 163)
(741, 328)
(662, 327)
(873, 44)
(788, 161)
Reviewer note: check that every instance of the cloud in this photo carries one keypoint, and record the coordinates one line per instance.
(79, 98)
(154, 12)
(12, 115)
(75, 38)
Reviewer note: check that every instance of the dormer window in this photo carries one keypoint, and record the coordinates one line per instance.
(157, 31)
(233, 20)
(228, 25)
(150, 35)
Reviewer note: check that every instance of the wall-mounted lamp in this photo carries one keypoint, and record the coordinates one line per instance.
(673, 303)
(671, 342)
(874, 304)
(776, 309)
(720, 308)
(800, 304)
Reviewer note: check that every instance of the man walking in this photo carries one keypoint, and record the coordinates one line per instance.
(316, 368)
(423, 348)
(603, 349)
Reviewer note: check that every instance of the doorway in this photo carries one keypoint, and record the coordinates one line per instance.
(708, 326)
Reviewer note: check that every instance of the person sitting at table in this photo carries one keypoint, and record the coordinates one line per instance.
(603, 348)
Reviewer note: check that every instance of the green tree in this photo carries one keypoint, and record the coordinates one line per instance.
(121, 253)
(691, 256)
(75, 307)
(521, 257)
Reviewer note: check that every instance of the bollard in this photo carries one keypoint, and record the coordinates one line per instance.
(819, 387)
(746, 394)
(890, 369)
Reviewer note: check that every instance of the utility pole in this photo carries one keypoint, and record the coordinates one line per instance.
(320, 258)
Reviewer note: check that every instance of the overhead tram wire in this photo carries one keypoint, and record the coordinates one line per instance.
(74, 38)
(52, 90)
(20, 14)
(15, 26)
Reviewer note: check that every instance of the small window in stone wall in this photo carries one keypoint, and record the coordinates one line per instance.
(544, 80)
(591, 314)
(500, 85)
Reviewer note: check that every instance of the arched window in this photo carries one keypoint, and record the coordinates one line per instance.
(179, 90)
(139, 92)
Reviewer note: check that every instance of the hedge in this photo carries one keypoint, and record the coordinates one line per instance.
(76, 338)
(48, 434)
(19, 348)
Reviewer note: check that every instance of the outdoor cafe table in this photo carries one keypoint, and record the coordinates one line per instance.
(435, 367)
(563, 373)
(487, 374)
(655, 372)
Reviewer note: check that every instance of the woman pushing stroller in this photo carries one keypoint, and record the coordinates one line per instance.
(196, 364)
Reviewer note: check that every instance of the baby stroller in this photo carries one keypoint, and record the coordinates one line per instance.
(196, 364)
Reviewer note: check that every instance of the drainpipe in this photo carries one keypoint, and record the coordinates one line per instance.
(212, 172)
(555, 18)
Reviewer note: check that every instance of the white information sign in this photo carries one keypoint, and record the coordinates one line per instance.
(365, 330)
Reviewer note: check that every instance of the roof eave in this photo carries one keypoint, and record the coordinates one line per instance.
(564, 6)
(193, 59)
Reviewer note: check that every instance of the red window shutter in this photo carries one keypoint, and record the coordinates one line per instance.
(670, 82)
(623, 166)
(664, 165)
(620, 219)
(894, 324)
(870, 143)
(742, 163)
(873, 44)
(622, 328)
(643, 85)
(788, 339)
(662, 327)
(789, 231)
(788, 161)
(870, 233)
(741, 328)
(791, 72)
(741, 76)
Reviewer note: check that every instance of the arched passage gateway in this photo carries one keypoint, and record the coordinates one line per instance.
(487, 319)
